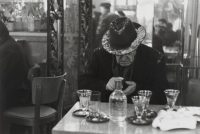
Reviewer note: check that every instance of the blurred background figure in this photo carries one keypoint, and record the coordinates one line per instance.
(159, 35)
(95, 20)
(157, 42)
(105, 9)
(170, 36)
(104, 21)
(162, 26)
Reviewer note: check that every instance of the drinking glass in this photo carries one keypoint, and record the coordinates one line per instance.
(84, 98)
(95, 103)
(139, 106)
(147, 94)
(171, 95)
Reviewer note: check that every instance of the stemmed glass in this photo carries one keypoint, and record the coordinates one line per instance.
(147, 94)
(139, 106)
(94, 105)
(171, 95)
(84, 98)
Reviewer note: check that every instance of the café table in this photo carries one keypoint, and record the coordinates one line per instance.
(75, 125)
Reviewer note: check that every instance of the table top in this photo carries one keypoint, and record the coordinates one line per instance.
(74, 125)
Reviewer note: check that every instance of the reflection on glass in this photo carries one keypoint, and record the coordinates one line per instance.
(145, 15)
(168, 20)
(24, 15)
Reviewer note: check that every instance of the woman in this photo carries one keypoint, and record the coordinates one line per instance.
(123, 55)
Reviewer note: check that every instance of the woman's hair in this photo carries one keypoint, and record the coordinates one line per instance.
(4, 33)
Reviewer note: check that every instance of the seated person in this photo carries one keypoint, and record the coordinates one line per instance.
(13, 71)
(123, 55)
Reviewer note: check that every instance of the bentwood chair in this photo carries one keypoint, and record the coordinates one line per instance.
(46, 92)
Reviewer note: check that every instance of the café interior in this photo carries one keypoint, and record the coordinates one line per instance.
(57, 39)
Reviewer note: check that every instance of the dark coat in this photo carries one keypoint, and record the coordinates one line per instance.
(148, 73)
(13, 73)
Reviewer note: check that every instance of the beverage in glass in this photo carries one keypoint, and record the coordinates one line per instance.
(84, 98)
(171, 95)
(139, 106)
(94, 104)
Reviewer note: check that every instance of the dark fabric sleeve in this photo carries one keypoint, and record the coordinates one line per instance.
(160, 82)
(13, 75)
(91, 80)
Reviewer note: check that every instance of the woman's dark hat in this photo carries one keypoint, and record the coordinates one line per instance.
(123, 36)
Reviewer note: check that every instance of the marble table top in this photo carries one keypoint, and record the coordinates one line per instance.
(74, 125)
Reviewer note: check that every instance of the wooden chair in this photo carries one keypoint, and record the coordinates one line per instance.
(45, 90)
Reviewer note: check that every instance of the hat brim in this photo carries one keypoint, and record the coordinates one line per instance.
(141, 33)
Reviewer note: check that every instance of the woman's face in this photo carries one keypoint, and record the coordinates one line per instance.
(125, 60)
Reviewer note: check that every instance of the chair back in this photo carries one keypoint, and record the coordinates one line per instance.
(26, 50)
(191, 86)
(193, 93)
(48, 88)
(173, 75)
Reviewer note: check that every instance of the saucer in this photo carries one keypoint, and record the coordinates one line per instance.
(99, 119)
(134, 120)
(150, 114)
(147, 118)
(80, 113)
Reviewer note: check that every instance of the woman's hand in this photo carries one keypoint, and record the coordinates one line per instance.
(111, 83)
